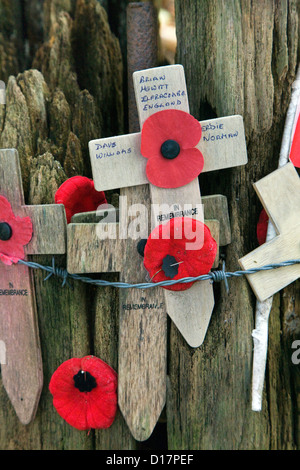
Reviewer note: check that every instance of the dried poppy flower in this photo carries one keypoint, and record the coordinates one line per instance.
(181, 248)
(78, 194)
(84, 393)
(262, 227)
(15, 233)
(168, 140)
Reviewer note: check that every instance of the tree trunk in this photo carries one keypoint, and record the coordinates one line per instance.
(239, 58)
(65, 72)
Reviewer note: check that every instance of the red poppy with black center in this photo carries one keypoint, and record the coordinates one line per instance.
(168, 141)
(78, 195)
(181, 248)
(85, 393)
(15, 233)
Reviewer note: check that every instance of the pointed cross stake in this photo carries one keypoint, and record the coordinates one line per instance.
(142, 317)
(279, 193)
(117, 162)
(22, 373)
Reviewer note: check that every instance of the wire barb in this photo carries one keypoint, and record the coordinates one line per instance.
(59, 272)
(219, 276)
(214, 276)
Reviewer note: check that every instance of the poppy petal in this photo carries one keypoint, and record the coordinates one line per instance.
(262, 227)
(21, 230)
(176, 238)
(21, 235)
(170, 124)
(8, 260)
(85, 409)
(177, 172)
(73, 411)
(103, 373)
(6, 212)
(12, 250)
(62, 379)
(100, 416)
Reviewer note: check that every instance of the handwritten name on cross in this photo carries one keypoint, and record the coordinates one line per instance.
(279, 193)
(117, 162)
(22, 372)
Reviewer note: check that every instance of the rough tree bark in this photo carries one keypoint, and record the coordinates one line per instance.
(239, 57)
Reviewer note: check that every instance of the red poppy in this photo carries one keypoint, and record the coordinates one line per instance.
(262, 227)
(84, 393)
(15, 233)
(168, 140)
(78, 194)
(181, 248)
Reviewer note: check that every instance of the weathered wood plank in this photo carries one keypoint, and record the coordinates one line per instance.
(214, 227)
(46, 220)
(106, 337)
(216, 207)
(142, 384)
(22, 372)
(88, 253)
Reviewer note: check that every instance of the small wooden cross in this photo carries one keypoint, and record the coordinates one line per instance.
(279, 193)
(117, 163)
(22, 373)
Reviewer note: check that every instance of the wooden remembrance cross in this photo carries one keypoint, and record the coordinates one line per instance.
(22, 370)
(117, 163)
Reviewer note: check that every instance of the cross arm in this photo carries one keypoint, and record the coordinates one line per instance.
(49, 223)
(117, 161)
(282, 248)
(88, 253)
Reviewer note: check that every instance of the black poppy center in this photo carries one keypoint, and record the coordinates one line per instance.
(141, 246)
(170, 149)
(5, 231)
(84, 381)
